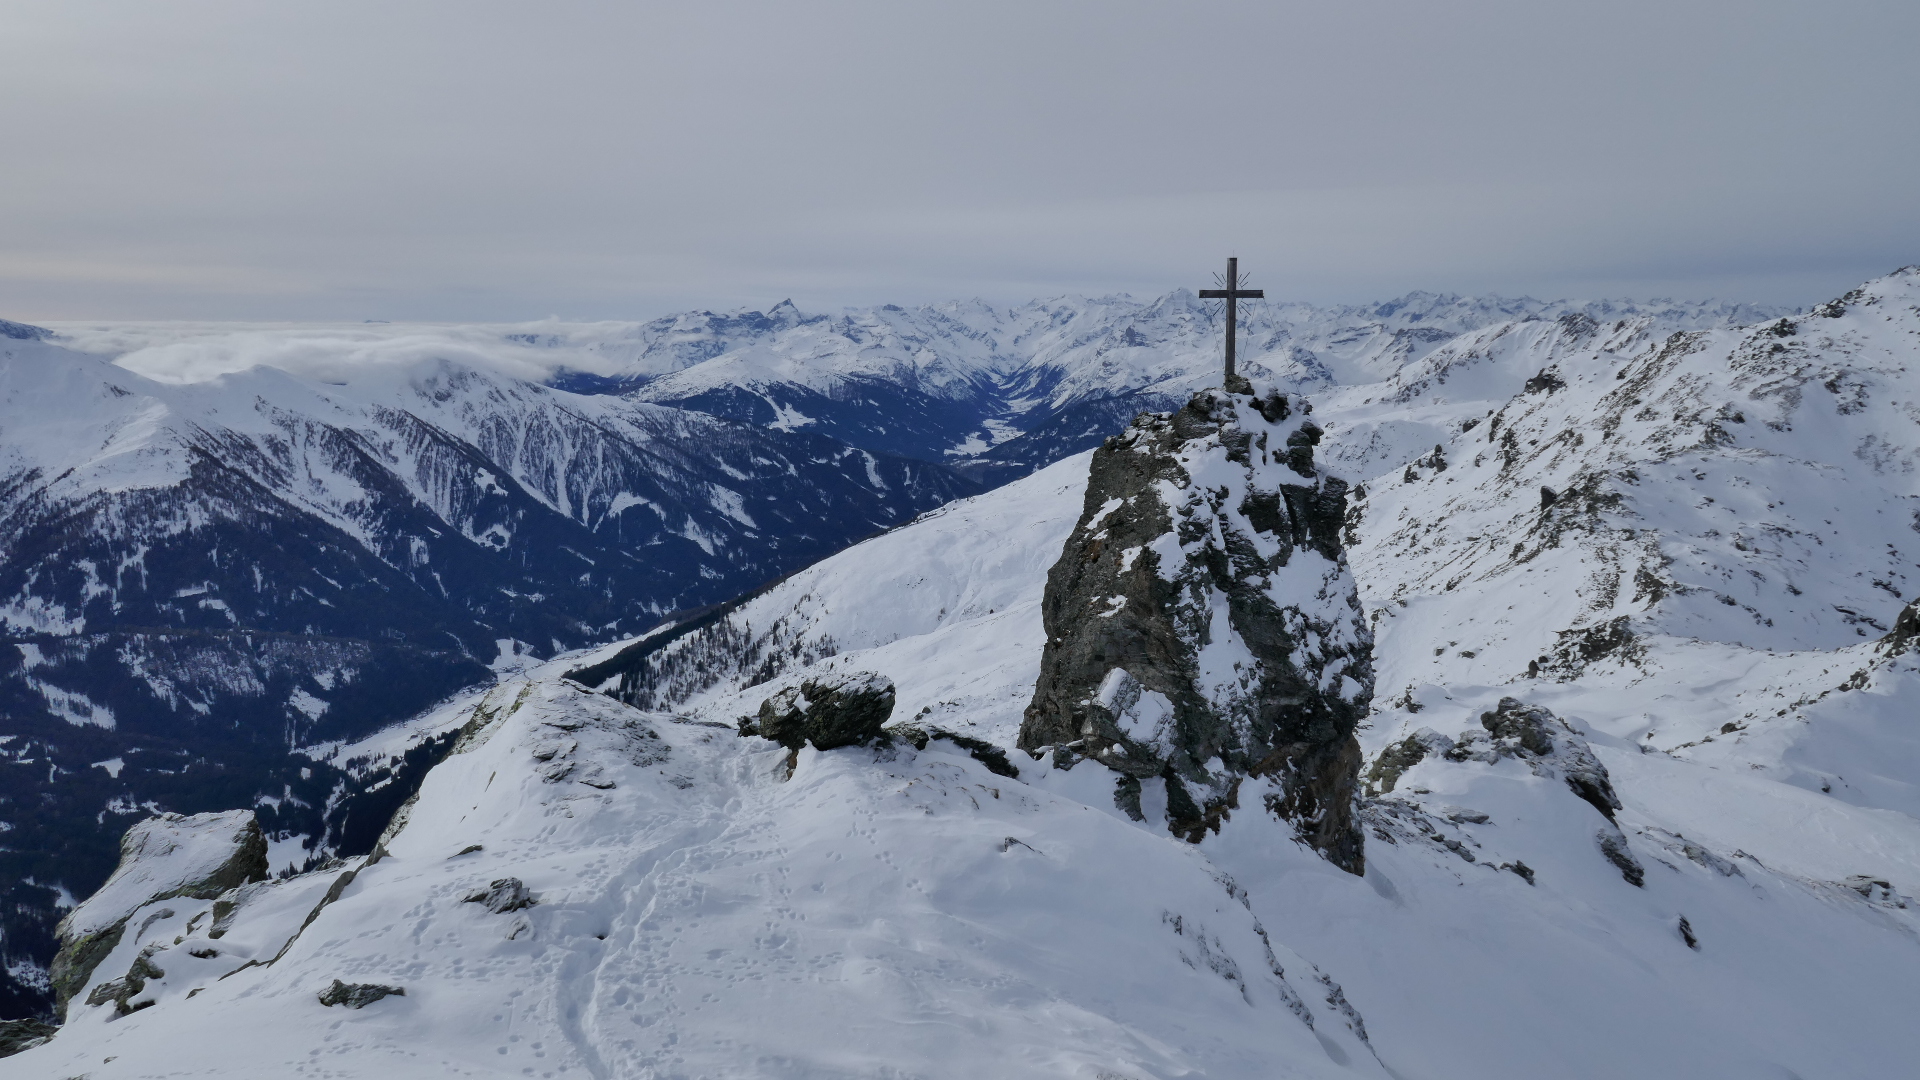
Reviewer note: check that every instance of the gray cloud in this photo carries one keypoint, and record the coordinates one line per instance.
(503, 161)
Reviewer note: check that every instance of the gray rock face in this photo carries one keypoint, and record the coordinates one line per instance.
(124, 992)
(1203, 632)
(357, 995)
(1404, 755)
(830, 711)
(18, 1035)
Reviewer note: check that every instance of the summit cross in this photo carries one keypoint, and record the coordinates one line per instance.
(1232, 294)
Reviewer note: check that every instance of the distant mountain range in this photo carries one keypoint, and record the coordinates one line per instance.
(1016, 388)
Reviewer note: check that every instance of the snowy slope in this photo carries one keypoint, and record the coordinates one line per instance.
(950, 598)
(197, 578)
(696, 915)
(1751, 488)
(1760, 747)
(910, 913)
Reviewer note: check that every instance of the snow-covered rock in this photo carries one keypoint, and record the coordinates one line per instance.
(1204, 640)
(162, 858)
(840, 709)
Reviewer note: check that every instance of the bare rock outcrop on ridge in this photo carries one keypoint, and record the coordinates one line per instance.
(1204, 639)
(163, 857)
(829, 711)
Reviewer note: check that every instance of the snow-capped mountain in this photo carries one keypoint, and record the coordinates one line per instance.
(942, 382)
(1407, 394)
(199, 578)
(1025, 386)
(586, 887)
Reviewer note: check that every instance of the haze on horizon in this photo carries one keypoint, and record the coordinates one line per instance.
(499, 162)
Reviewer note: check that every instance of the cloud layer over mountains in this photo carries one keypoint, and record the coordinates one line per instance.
(471, 161)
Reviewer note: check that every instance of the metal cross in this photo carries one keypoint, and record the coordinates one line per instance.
(1232, 294)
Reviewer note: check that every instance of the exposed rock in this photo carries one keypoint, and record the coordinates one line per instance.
(982, 751)
(1547, 380)
(73, 965)
(202, 856)
(1613, 844)
(1404, 755)
(1906, 628)
(1877, 890)
(1549, 746)
(18, 1035)
(357, 995)
(124, 992)
(229, 905)
(1202, 628)
(829, 711)
(502, 896)
(1693, 852)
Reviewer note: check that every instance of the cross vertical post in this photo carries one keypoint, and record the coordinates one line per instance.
(1232, 294)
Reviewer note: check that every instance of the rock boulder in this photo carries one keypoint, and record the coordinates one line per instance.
(829, 711)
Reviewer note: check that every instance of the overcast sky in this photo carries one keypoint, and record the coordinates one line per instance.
(416, 159)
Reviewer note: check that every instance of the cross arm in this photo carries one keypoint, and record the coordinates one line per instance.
(1233, 294)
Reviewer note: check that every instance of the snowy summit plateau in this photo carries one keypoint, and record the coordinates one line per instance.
(1461, 688)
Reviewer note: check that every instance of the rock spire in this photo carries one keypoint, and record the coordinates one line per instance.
(1204, 640)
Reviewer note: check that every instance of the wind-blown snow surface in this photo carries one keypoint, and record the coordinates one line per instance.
(901, 913)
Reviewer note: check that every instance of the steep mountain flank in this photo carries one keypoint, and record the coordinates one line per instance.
(1204, 640)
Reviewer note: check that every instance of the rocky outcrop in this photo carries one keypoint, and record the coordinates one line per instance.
(1403, 755)
(124, 992)
(1549, 746)
(1204, 639)
(829, 711)
(919, 735)
(163, 857)
(1906, 630)
(357, 995)
(19, 1035)
(1551, 749)
(502, 896)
